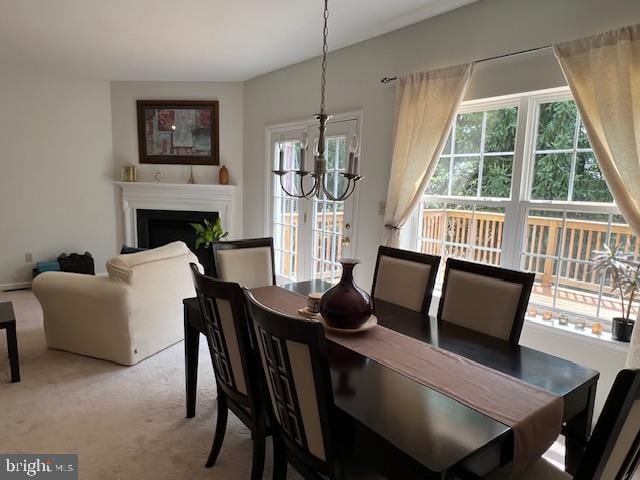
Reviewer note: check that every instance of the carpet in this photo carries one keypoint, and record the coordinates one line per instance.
(124, 422)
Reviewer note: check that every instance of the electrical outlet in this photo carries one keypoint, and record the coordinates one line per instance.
(382, 206)
(28, 258)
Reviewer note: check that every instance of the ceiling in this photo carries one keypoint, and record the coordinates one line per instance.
(191, 39)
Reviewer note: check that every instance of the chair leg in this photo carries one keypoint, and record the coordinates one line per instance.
(221, 427)
(259, 441)
(279, 459)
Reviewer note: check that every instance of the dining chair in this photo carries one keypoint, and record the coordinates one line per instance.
(249, 262)
(235, 365)
(293, 352)
(485, 298)
(612, 452)
(405, 278)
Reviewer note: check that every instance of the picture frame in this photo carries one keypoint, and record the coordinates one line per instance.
(178, 132)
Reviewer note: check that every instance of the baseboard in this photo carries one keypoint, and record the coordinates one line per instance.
(5, 287)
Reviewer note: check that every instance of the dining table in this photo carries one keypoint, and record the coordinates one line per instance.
(405, 429)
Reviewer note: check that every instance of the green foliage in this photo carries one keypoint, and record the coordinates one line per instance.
(208, 232)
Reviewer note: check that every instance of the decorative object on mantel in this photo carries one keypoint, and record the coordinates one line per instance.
(192, 179)
(180, 132)
(346, 305)
(128, 173)
(158, 176)
(223, 175)
(623, 272)
(319, 173)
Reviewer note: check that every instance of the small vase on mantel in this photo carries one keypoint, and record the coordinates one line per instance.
(223, 175)
(346, 305)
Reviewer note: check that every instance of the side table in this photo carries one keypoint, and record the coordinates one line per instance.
(8, 323)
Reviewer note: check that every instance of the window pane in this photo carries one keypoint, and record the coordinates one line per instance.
(439, 183)
(468, 132)
(488, 229)
(459, 218)
(465, 176)
(588, 183)
(583, 140)
(551, 177)
(447, 146)
(496, 177)
(501, 130)
(544, 285)
(542, 236)
(556, 125)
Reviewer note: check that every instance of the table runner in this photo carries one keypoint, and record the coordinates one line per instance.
(534, 414)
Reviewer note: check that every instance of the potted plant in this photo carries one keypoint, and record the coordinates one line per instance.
(624, 273)
(208, 233)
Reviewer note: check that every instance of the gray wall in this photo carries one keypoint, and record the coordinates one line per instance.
(56, 191)
(480, 30)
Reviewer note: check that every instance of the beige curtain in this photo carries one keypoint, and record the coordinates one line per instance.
(603, 73)
(426, 104)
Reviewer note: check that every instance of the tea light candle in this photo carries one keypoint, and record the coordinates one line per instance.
(596, 328)
(532, 312)
(546, 315)
(563, 320)
(581, 323)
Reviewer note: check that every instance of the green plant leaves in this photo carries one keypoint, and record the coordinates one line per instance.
(208, 232)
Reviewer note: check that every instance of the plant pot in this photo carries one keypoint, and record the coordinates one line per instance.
(621, 329)
(346, 305)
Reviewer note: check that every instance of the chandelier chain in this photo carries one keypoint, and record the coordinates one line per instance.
(325, 48)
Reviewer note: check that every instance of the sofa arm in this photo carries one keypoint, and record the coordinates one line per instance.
(86, 314)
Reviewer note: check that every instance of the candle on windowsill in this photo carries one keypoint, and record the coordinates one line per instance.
(532, 312)
(581, 323)
(547, 315)
(563, 320)
(596, 328)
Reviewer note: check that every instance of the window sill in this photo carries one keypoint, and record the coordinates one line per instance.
(552, 328)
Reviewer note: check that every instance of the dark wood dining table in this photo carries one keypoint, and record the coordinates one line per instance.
(407, 430)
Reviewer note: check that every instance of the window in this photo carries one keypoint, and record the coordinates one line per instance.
(518, 185)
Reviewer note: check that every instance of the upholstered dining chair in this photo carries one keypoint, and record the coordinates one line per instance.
(236, 368)
(293, 352)
(405, 278)
(612, 452)
(488, 299)
(250, 262)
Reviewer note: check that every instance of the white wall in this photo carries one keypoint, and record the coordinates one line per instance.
(56, 164)
(125, 133)
(483, 29)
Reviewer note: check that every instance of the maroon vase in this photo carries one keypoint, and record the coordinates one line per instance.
(346, 305)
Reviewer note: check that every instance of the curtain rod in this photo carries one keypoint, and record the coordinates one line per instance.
(488, 59)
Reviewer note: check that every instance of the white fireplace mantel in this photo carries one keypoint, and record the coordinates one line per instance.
(179, 196)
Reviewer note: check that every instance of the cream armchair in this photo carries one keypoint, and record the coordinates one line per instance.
(124, 317)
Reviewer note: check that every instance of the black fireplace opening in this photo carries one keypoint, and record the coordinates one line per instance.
(159, 227)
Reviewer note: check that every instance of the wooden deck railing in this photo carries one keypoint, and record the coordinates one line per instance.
(544, 238)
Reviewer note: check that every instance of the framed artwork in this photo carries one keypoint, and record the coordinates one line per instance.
(182, 132)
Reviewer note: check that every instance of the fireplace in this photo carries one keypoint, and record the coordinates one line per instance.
(159, 227)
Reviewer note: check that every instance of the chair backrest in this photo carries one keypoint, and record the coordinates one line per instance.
(224, 313)
(613, 450)
(293, 352)
(405, 278)
(250, 263)
(488, 299)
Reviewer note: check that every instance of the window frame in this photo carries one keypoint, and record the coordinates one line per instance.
(519, 204)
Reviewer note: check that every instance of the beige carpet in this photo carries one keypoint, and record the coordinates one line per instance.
(124, 422)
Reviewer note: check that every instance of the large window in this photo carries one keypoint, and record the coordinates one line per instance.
(518, 185)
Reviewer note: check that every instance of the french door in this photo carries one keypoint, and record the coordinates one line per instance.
(310, 236)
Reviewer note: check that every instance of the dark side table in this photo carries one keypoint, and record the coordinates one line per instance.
(8, 323)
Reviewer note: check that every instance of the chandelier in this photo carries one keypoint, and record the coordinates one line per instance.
(319, 175)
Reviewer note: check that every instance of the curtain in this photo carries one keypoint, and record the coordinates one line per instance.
(603, 72)
(426, 105)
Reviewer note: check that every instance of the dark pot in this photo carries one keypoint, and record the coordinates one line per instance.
(346, 305)
(622, 328)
